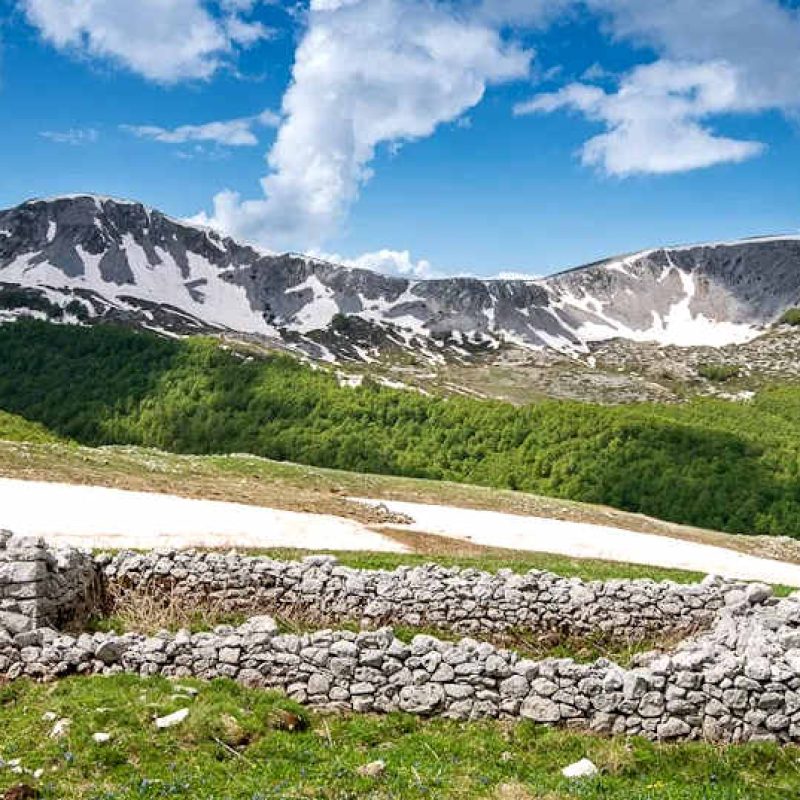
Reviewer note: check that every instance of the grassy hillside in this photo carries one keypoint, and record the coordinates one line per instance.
(230, 747)
(14, 428)
(709, 463)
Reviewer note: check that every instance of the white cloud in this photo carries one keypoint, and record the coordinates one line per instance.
(162, 40)
(232, 133)
(596, 72)
(389, 262)
(514, 276)
(654, 119)
(366, 72)
(372, 73)
(717, 58)
(757, 38)
(73, 136)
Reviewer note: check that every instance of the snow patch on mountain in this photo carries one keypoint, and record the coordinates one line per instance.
(120, 256)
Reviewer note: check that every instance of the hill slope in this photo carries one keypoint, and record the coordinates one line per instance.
(714, 464)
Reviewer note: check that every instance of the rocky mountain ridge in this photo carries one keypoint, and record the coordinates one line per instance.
(81, 258)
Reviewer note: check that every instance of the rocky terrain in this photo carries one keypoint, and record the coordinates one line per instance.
(84, 258)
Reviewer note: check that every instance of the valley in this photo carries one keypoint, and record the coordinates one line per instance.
(710, 463)
(596, 443)
(399, 400)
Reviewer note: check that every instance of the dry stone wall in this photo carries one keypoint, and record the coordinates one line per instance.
(41, 586)
(737, 681)
(467, 601)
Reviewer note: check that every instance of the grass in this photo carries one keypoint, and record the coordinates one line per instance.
(790, 317)
(230, 748)
(720, 373)
(495, 559)
(14, 428)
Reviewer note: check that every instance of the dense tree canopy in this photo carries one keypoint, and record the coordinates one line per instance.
(717, 464)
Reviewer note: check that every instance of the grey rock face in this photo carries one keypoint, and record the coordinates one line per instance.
(107, 250)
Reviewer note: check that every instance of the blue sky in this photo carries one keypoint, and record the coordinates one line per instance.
(417, 136)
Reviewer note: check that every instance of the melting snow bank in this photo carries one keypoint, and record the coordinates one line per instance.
(96, 517)
(583, 540)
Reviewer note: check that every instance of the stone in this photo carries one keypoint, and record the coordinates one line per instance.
(651, 704)
(777, 722)
(634, 685)
(758, 669)
(319, 683)
(543, 687)
(757, 593)
(170, 720)
(342, 667)
(580, 769)
(673, 728)
(515, 686)
(344, 649)
(109, 651)
(15, 623)
(261, 624)
(444, 674)
(61, 728)
(423, 699)
(540, 709)
(374, 769)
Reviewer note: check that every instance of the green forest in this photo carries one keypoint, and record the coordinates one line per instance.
(711, 463)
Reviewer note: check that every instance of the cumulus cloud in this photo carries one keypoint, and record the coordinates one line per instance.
(725, 57)
(366, 72)
(161, 40)
(389, 262)
(238, 132)
(654, 120)
(73, 136)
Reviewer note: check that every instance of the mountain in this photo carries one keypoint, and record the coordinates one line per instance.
(81, 258)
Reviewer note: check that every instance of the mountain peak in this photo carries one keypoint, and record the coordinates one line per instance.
(108, 258)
